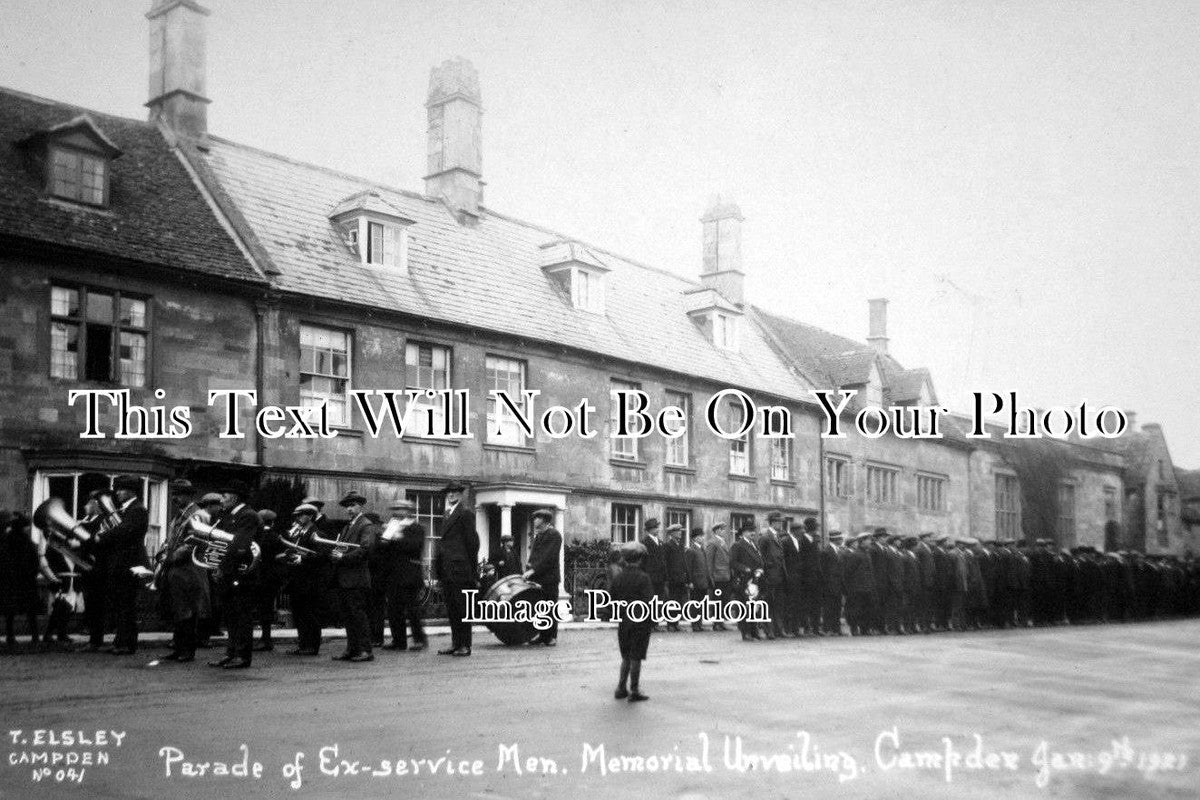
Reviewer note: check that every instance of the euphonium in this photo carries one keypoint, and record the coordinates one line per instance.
(109, 511)
(211, 545)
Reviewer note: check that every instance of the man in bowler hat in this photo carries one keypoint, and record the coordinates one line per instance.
(456, 565)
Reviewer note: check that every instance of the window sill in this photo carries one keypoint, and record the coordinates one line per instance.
(510, 448)
(620, 462)
(743, 478)
(782, 482)
(77, 205)
(430, 440)
(350, 433)
(679, 469)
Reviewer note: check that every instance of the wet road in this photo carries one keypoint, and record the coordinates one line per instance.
(870, 717)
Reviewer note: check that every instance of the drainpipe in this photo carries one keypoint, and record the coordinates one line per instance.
(260, 381)
(821, 483)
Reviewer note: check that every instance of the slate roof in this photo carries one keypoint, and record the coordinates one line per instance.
(487, 275)
(834, 361)
(156, 215)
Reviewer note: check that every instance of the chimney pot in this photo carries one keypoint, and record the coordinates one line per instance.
(177, 66)
(877, 335)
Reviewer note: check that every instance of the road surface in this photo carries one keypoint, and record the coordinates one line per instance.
(1096, 711)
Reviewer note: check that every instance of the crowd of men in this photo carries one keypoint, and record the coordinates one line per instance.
(879, 582)
(225, 564)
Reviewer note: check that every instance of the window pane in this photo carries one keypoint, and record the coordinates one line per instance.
(64, 350)
(133, 359)
(133, 313)
(64, 302)
(100, 307)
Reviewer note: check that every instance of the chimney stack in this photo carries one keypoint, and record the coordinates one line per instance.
(877, 333)
(1131, 421)
(722, 262)
(455, 146)
(177, 66)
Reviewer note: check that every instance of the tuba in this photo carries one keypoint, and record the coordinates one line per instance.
(211, 545)
(60, 527)
(109, 513)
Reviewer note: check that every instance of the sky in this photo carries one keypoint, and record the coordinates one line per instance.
(1020, 179)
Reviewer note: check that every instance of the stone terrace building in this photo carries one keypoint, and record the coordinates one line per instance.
(154, 255)
(114, 273)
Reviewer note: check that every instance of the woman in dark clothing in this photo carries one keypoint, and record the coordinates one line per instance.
(21, 560)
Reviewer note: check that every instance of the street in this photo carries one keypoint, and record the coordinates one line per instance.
(1093, 711)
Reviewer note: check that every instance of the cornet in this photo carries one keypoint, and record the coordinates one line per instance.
(211, 545)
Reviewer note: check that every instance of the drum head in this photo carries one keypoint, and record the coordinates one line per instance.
(508, 590)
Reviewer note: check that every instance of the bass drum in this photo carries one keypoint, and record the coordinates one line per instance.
(508, 590)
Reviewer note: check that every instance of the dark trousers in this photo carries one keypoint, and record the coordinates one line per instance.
(95, 607)
(831, 612)
(237, 603)
(353, 605)
(264, 608)
(456, 609)
(860, 612)
(377, 605)
(185, 638)
(791, 608)
(123, 589)
(306, 615)
(550, 594)
(698, 595)
(675, 591)
(810, 608)
(404, 612)
(776, 608)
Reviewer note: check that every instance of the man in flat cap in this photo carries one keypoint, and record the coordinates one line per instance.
(352, 577)
(655, 562)
(184, 585)
(542, 568)
(402, 543)
(832, 557)
(746, 565)
(124, 549)
(695, 565)
(456, 565)
(235, 585)
(716, 555)
(859, 582)
(270, 577)
(774, 578)
(810, 576)
(306, 580)
(674, 561)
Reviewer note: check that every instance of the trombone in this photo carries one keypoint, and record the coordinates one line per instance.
(333, 545)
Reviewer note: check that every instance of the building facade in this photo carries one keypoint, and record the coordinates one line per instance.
(158, 258)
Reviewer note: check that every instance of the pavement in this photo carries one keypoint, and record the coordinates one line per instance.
(1068, 712)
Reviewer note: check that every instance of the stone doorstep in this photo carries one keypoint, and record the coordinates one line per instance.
(289, 634)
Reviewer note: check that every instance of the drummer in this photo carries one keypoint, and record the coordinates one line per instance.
(543, 567)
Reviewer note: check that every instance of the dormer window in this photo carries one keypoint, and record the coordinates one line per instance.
(373, 230)
(78, 176)
(577, 273)
(725, 331)
(719, 320)
(587, 290)
(76, 158)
